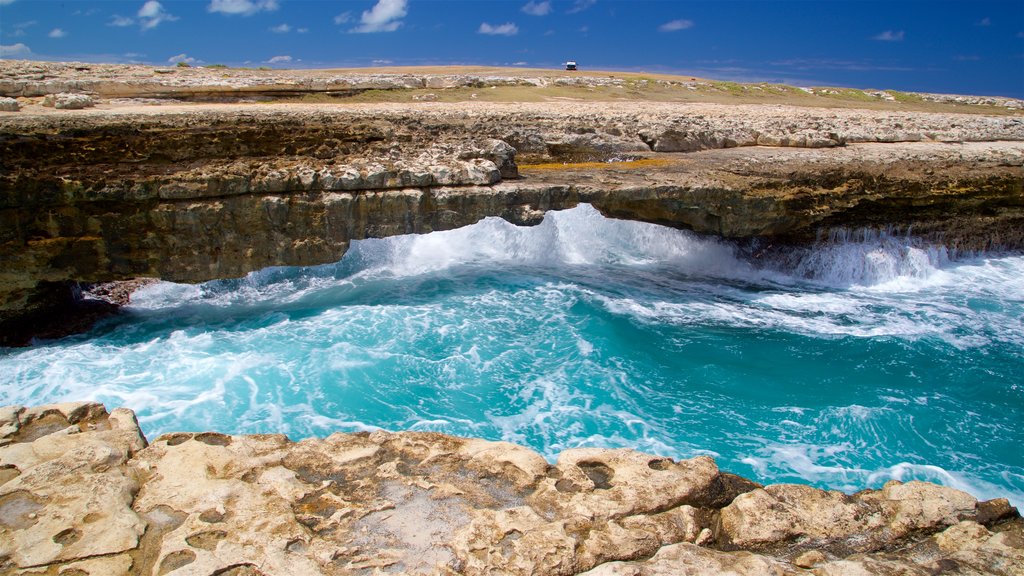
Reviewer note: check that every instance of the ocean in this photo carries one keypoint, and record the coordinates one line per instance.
(869, 357)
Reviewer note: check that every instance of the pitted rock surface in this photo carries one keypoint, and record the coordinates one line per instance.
(81, 493)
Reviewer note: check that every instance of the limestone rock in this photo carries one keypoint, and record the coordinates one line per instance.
(68, 101)
(801, 515)
(197, 193)
(690, 560)
(81, 494)
(68, 494)
(8, 105)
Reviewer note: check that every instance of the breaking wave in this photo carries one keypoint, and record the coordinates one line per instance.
(867, 358)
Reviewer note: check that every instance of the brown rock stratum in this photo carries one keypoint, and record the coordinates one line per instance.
(81, 493)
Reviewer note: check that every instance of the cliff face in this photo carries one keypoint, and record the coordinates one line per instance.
(81, 492)
(202, 192)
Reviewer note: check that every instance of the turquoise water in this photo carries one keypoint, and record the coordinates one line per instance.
(868, 359)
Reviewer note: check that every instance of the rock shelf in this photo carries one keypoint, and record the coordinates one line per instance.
(129, 187)
(82, 492)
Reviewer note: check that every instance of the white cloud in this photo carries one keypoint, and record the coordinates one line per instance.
(280, 60)
(281, 29)
(302, 30)
(6, 2)
(889, 36)
(243, 7)
(120, 21)
(182, 58)
(385, 16)
(580, 6)
(537, 8)
(507, 29)
(986, 21)
(14, 50)
(343, 18)
(152, 14)
(676, 25)
(382, 62)
(57, 33)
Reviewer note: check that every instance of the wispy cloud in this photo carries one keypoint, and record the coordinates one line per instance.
(967, 58)
(182, 58)
(57, 33)
(837, 64)
(343, 18)
(281, 29)
(385, 16)
(889, 36)
(6, 2)
(14, 50)
(986, 21)
(242, 7)
(507, 29)
(676, 25)
(280, 60)
(120, 21)
(580, 6)
(19, 29)
(537, 8)
(152, 14)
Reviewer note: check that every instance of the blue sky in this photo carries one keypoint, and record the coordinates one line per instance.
(967, 47)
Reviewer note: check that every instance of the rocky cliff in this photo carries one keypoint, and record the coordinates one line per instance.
(83, 493)
(193, 193)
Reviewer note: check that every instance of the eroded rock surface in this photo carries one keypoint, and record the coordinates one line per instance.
(82, 494)
(195, 193)
(135, 187)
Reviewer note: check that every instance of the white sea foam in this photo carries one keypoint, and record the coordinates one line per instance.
(571, 333)
(824, 465)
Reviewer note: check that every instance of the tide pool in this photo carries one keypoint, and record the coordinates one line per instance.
(868, 358)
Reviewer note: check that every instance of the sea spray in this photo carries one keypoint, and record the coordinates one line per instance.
(859, 360)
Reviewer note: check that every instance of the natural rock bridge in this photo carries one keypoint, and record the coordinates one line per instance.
(193, 193)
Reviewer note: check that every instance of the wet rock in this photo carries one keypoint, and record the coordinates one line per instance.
(994, 511)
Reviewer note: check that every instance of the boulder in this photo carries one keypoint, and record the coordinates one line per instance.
(68, 101)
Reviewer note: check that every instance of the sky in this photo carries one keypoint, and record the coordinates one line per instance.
(948, 46)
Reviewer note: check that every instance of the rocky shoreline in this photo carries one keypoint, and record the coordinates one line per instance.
(200, 192)
(82, 492)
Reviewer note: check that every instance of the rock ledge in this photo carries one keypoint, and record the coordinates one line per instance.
(82, 493)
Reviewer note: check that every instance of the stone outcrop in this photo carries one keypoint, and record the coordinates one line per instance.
(82, 493)
(68, 101)
(199, 192)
